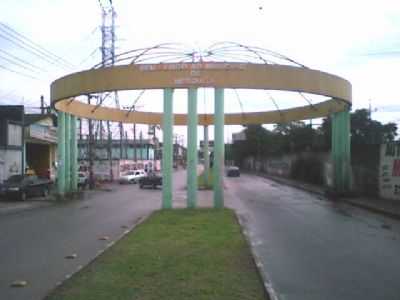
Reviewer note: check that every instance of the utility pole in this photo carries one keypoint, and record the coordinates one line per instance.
(80, 129)
(109, 150)
(42, 104)
(140, 145)
(134, 143)
(90, 150)
(133, 109)
(155, 148)
(108, 59)
(126, 145)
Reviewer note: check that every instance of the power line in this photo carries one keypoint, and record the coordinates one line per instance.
(17, 72)
(22, 60)
(90, 56)
(16, 63)
(41, 48)
(30, 50)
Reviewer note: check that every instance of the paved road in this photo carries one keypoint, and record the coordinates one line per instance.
(314, 249)
(33, 243)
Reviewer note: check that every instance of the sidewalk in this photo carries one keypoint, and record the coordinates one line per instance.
(10, 207)
(389, 208)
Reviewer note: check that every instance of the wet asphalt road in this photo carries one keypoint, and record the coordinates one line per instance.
(311, 248)
(34, 243)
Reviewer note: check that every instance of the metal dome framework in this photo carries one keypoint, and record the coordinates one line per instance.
(218, 52)
(225, 65)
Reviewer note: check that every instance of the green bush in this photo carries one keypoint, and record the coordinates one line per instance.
(309, 169)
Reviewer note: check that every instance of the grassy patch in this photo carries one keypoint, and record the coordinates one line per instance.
(175, 254)
(203, 183)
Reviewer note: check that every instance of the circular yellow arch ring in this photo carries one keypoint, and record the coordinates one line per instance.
(210, 74)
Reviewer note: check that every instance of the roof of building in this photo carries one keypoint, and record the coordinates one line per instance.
(33, 118)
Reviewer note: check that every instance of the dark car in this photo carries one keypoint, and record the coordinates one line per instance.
(153, 180)
(232, 171)
(24, 186)
(2, 192)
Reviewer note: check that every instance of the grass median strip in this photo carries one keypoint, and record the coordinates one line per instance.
(175, 254)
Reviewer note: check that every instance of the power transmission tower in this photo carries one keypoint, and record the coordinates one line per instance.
(108, 59)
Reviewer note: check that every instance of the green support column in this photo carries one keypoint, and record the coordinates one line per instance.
(67, 153)
(61, 154)
(192, 149)
(74, 156)
(218, 165)
(341, 151)
(206, 155)
(168, 121)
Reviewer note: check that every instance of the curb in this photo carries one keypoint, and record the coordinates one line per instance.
(6, 212)
(268, 288)
(370, 208)
(292, 184)
(139, 221)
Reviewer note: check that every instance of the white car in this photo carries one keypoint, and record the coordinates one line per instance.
(132, 176)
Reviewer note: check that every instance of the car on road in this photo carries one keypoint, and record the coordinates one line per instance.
(132, 176)
(232, 171)
(2, 192)
(152, 179)
(24, 186)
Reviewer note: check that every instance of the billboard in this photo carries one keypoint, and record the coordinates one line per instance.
(389, 171)
(44, 133)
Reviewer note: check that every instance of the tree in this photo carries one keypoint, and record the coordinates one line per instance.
(298, 136)
(294, 136)
(364, 130)
(285, 138)
(258, 142)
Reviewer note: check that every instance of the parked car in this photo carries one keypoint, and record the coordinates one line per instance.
(132, 176)
(83, 180)
(152, 179)
(24, 186)
(2, 192)
(232, 171)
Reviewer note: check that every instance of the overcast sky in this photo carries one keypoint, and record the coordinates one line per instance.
(358, 40)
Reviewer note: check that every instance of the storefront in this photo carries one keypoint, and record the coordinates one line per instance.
(41, 144)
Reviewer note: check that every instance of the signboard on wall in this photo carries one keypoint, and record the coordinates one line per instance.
(389, 171)
(44, 133)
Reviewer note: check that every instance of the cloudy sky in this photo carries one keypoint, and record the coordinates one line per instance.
(358, 40)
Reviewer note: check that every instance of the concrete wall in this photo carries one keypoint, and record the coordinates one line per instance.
(317, 168)
(306, 166)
